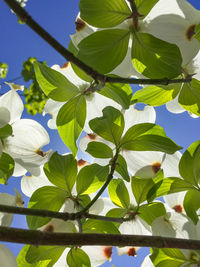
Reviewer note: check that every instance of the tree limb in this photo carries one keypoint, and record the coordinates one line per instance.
(35, 237)
(26, 18)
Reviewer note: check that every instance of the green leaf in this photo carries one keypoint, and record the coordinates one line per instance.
(76, 257)
(46, 198)
(189, 97)
(7, 165)
(44, 255)
(3, 70)
(90, 178)
(168, 186)
(99, 150)
(197, 32)
(121, 168)
(192, 204)
(80, 73)
(35, 98)
(104, 50)
(167, 257)
(21, 258)
(62, 171)
(104, 13)
(54, 84)
(5, 131)
(148, 137)
(145, 6)
(155, 58)
(95, 226)
(70, 121)
(189, 167)
(141, 187)
(149, 212)
(118, 193)
(156, 95)
(121, 93)
(110, 126)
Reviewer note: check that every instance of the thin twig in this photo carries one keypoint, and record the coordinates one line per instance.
(110, 176)
(26, 18)
(12, 80)
(59, 215)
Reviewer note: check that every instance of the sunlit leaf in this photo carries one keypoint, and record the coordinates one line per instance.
(61, 170)
(104, 13)
(104, 50)
(155, 58)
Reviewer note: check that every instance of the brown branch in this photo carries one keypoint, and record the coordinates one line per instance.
(110, 176)
(26, 18)
(35, 237)
(60, 215)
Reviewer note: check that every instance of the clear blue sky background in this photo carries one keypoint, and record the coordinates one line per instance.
(18, 42)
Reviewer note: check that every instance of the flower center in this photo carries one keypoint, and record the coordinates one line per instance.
(65, 65)
(80, 24)
(178, 208)
(190, 32)
(108, 252)
(92, 136)
(49, 228)
(132, 252)
(40, 153)
(156, 167)
(81, 162)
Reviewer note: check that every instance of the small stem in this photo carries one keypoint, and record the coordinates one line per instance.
(35, 237)
(135, 14)
(25, 17)
(110, 176)
(12, 80)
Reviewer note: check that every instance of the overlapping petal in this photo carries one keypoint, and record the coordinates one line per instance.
(7, 257)
(12, 101)
(173, 21)
(26, 142)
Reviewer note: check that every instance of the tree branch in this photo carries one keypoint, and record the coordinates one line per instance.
(35, 237)
(110, 176)
(60, 215)
(26, 18)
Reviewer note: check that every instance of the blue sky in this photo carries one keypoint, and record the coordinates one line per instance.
(18, 43)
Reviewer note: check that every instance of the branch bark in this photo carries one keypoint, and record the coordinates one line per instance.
(35, 237)
(60, 215)
(26, 18)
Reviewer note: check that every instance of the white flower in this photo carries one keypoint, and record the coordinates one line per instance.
(193, 67)
(125, 68)
(7, 257)
(175, 202)
(27, 138)
(174, 21)
(132, 116)
(10, 200)
(146, 164)
(136, 226)
(147, 262)
(30, 183)
(95, 101)
(174, 224)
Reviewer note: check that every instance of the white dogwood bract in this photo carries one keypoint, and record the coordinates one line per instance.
(28, 136)
(7, 257)
(30, 183)
(174, 224)
(10, 200)
(95, 102)
(174, 21)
